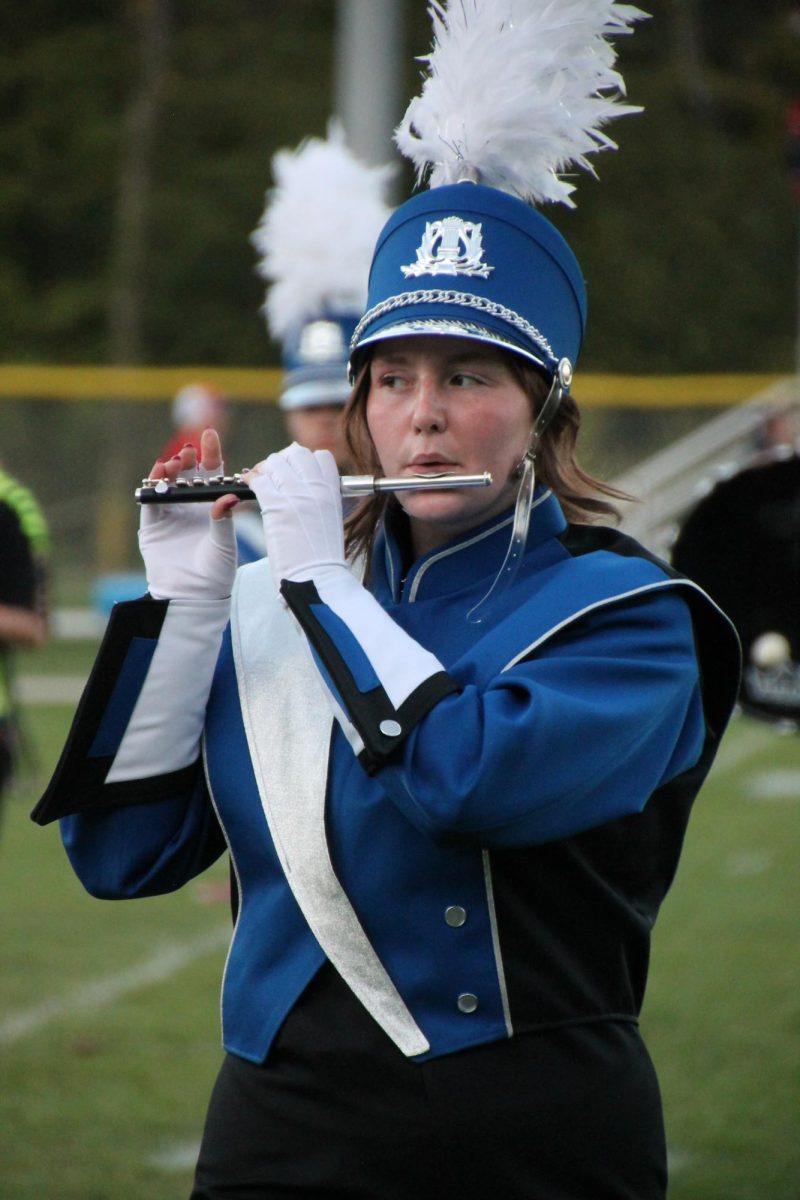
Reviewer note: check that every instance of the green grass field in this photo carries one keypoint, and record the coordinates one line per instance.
(109, 1030)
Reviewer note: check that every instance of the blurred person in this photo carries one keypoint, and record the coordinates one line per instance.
(200, 406)
(314, 241)
(453, 751)
(319, 424)
(751, 499)
(196, 406)
(779, 430)
(24, 558)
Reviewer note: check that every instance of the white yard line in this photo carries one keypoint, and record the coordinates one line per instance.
(740, 744)
(176, 1158)
(779, 785)
(165, 963)
(748, 863)
(50, 689)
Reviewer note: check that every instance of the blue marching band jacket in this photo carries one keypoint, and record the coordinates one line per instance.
(474, 823)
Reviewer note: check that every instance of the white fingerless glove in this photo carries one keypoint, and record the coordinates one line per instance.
(187, 555)
(298, 492)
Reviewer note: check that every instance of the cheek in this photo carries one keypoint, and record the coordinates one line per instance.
(380, 428)
(500, 436)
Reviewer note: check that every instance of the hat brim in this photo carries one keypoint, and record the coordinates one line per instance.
(315, 393)
(444, 327)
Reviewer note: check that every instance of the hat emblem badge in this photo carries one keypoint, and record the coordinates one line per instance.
(451, 246)
(321, 341)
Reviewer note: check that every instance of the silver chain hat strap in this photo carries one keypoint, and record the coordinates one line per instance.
(562, 380)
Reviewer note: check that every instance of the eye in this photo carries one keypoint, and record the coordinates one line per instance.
(382, 377)
(389, 379)
(463, 379)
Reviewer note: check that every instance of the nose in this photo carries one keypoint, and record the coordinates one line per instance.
(430, 410)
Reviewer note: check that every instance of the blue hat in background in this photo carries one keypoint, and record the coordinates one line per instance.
(474, 261)
(315, 359)
(315, 242)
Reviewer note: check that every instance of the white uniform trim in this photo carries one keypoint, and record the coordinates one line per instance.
(288, 721)
(498, 952)
(604, 603)
(239, 885)
(166, 724)
(399, 662)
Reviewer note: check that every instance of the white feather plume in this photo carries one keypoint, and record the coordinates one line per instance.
(320, 223)
(517, 93)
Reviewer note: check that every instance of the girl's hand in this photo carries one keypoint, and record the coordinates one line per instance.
(189, 553)
(299, 495)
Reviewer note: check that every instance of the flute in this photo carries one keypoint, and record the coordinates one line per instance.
(182, 491)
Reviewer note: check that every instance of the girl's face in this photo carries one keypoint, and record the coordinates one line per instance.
(447, 404)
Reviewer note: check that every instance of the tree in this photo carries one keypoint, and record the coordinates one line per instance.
(688, 240)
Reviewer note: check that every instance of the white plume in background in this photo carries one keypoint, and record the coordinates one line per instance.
(318, 230)
(517, 93)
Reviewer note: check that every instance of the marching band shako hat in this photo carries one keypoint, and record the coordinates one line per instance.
(315, 359)
(474, 261)
(516, 95)
(315, 241)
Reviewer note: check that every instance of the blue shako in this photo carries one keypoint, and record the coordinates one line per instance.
(474, 261)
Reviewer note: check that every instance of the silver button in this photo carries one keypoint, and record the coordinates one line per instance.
(467, 1003)
(455, 915)
(390, 728)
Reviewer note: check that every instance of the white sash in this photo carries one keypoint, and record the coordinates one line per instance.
(288, 721)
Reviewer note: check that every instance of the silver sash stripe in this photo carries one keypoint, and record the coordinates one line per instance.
(288, 719)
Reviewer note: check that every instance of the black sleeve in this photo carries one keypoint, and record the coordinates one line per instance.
(17, 568)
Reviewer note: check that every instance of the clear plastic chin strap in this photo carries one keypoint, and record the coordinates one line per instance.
(562, 380)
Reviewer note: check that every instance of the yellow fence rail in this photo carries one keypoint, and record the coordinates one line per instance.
(261, 385)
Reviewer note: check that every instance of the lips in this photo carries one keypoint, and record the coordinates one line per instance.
(430, 464)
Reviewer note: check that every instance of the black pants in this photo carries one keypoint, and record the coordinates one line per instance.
(339, 1114)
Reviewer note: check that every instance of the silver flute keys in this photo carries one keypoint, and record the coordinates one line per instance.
(182, 491)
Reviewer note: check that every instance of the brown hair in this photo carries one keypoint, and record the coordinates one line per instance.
(557, 466)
